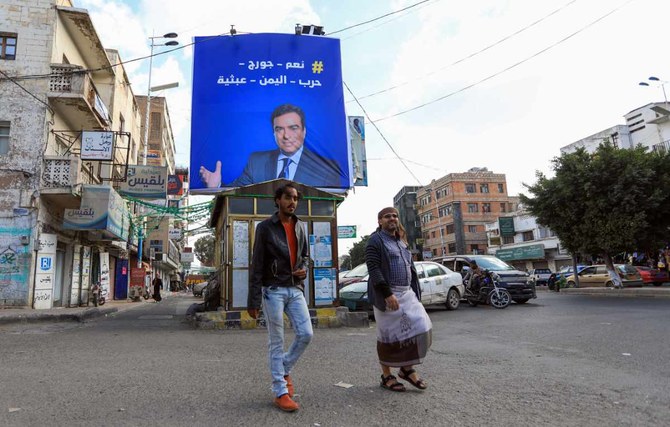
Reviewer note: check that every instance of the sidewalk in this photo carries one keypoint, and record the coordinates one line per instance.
(62, 314)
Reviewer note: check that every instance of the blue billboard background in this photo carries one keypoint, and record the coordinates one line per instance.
(238, 81)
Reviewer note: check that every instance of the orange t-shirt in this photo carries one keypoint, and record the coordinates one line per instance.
(292, 241)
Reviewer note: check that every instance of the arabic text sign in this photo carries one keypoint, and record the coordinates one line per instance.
(97, 145)
(238, 82)
(101, 209)
(346, 231)
(145, 182)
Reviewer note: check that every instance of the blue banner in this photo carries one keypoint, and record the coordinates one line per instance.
(268, 106)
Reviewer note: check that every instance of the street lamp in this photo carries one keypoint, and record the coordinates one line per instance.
(659, 82)
(151, 57)
(147, 120)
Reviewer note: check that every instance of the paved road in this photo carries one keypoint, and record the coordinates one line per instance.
(559, 360)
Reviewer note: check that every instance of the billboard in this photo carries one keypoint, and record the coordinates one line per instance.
(359, 162)
(268, 106)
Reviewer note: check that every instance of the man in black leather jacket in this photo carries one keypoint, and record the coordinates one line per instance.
(278, 271)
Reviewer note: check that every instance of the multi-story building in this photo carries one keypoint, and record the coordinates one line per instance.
(160, 152)
(69, 128)
(454, 209)
(648, 126)
(519, 240)
(405, 201)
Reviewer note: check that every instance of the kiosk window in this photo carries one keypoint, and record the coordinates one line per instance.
(322, 208)
(241, 205)
(265, 206)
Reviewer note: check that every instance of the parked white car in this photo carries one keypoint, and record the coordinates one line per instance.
(439, 285)
(539, 276)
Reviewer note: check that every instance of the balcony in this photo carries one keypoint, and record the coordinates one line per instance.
(62, 179)
(75, 98)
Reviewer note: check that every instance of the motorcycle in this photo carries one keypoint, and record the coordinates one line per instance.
(98, 295)
(488, 292)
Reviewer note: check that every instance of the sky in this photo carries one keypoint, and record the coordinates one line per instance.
(501, 84)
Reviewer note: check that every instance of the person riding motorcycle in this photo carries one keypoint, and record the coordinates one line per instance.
(473, 279)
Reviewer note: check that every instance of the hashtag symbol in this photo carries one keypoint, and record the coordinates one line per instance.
(317, 67)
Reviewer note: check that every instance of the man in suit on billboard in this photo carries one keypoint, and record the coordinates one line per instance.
(292, 160)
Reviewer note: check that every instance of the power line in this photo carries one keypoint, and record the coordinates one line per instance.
(38, 76)
(381, 24)
(503, 70)
(27, 91)
(382, 135)
(378, 18)
(472, 55)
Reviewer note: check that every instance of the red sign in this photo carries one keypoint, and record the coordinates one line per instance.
(137, 276)
(175, 185)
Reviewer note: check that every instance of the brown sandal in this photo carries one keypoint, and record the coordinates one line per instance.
(396, 386)
(405, 375)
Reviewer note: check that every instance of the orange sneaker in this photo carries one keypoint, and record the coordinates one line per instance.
(286, 404)
(289, 385)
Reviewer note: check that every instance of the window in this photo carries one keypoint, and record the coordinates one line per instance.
(445, 210)
(528, 235)
(470, 188)
(473, 207)
(486, 207)
(433, 270)
(474, 249)
(434, 252)
(4, 137)
(503, 207)
(424, 200)
(432, 234)
(508, 240)
(452, 248)
(472, 228)
(442, 192)
(501, 188)
(483, 188)
(450, 229)
(7, 45)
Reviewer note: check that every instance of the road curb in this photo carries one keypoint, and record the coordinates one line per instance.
(35, 317)
(321, 318)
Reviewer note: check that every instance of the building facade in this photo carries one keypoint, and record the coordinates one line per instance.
(522, 242)
(454, 209)
(405, 201)
(69, 129)
(648, 126)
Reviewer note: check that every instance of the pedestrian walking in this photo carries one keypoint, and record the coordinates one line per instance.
(403, 326)
(158, 285)
(279, 268)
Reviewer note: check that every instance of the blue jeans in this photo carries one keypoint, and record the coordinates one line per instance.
(278, 300)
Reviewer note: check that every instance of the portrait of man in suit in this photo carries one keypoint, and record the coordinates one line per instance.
(291, 160)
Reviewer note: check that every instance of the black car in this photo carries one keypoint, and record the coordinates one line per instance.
(515, 281)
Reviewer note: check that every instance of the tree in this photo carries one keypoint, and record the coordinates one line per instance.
(605, 203)
(345, 262)
(357, 252)
(204, 250)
